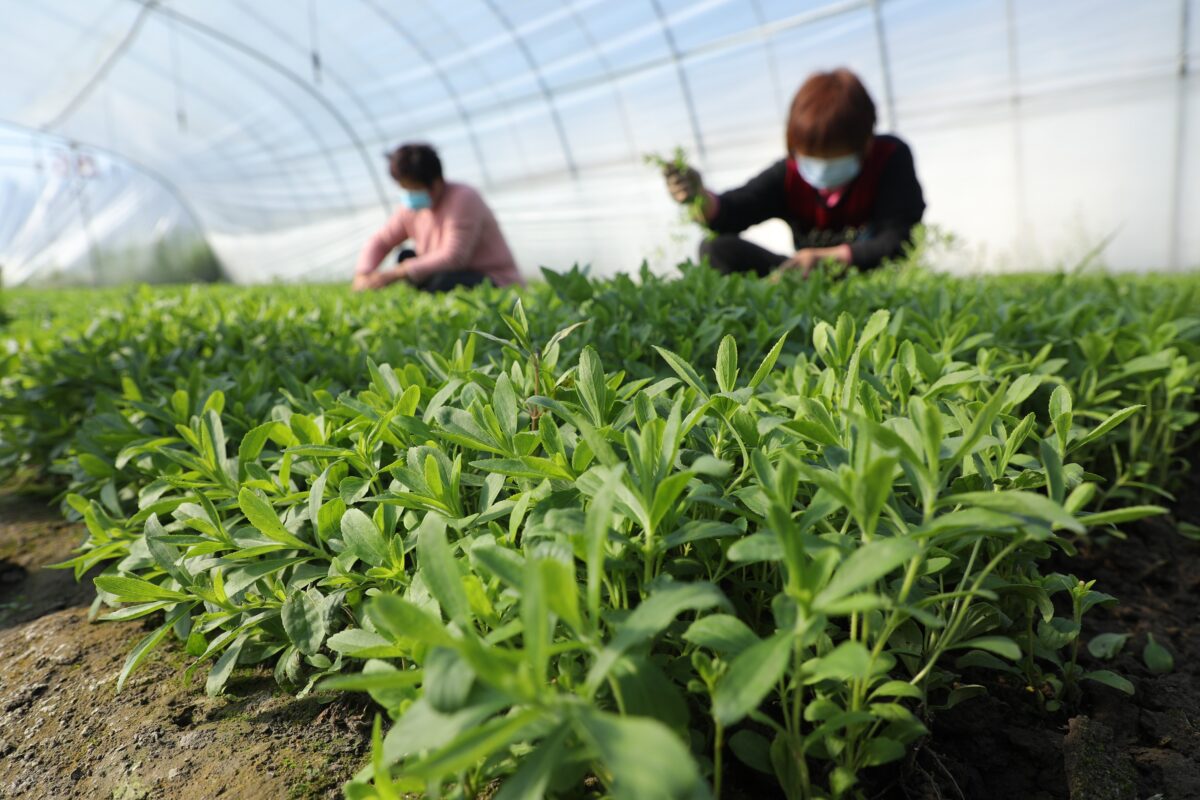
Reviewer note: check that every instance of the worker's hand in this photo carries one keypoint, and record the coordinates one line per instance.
(379, 278)
(802, 262)
(683, 185)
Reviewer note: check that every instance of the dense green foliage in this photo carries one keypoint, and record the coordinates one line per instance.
(627, 530)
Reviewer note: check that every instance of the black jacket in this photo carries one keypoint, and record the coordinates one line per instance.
(889, 199)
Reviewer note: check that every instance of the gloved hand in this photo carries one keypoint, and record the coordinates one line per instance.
(683, 185)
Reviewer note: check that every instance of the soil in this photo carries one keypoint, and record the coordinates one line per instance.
(1144, 747)
(64, 732)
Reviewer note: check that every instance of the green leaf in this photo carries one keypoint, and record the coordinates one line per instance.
(400, 620)
(1119, 515)
(850, 660)
(1025, 504)
(148, 642)
(473, 746)
(373, 681)
(591, 386)
(1106, 645)
(1157, 658)
(562, 590)
(721, 633)
(654, 614)
(1112, 421)
(219, 675)
(751, 676)
(304, 620)
(866, 565)
(882, 750)
(263, 517)
(726, 370)
(440, 570)
(752, 749)
(254, 441)
(1000, 645)
(646, 760)
(504, 403)
(1060, 403)
(665, 495)
(359, 643)
(136, 590)
(768, 363)
(533, 467)
(532, 777)
(1110, 678)
(684, 370)
(363, 538)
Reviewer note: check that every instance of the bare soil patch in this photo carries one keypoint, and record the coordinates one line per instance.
(64, 732)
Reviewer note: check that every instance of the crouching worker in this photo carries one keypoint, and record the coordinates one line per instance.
(849, 196)
(456, 239)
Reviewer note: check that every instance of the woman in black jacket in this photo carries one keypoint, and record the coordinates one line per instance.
(849, 196)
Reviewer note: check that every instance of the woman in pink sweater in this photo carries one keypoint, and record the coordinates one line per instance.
(456, 239)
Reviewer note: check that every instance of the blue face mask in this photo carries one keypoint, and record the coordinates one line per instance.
(416, 200)
(828, 173)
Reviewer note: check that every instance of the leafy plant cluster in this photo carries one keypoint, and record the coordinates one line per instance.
(638, 535)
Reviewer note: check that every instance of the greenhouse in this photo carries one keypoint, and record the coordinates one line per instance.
(517, 399)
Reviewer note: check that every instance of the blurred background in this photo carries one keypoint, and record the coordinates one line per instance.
(243, 139)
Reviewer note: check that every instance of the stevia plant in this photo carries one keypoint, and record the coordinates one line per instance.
(555, 546)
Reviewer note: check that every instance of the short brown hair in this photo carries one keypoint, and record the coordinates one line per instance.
(831, 111)
(416, 161)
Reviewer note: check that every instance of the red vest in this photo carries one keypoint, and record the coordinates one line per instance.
(854, 210)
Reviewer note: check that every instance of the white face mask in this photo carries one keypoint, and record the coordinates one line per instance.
(828, 173)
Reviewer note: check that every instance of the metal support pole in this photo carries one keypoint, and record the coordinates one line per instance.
(543, 87)
(885, 65)
(684, 86)
(1014, 99)
(1175, 234)
(460, 108)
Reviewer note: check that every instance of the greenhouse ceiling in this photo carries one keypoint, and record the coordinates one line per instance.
(129, 128)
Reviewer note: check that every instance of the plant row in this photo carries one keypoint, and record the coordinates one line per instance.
(648, 535)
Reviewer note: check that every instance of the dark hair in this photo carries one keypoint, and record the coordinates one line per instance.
(831, 111)
(417, 162)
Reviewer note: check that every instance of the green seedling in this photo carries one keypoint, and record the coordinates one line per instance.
(617, 532)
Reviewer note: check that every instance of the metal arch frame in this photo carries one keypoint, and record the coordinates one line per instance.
(105, 67)
(1175, 225)
(333, 76)
(685, 87)
(154, 175)
(444, 79)
(772, 61)
(101, 72)
(293, 78)
(609, 75)
(212, 102)
(546, 93)
(471, 58)
(714, 46)
(298, 114)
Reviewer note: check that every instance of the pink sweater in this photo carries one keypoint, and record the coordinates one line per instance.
(459, 232)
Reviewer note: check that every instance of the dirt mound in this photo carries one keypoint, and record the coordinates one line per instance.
(64, 733)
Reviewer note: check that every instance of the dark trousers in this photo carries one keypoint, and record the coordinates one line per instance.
(444, 281)
(730, 253)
